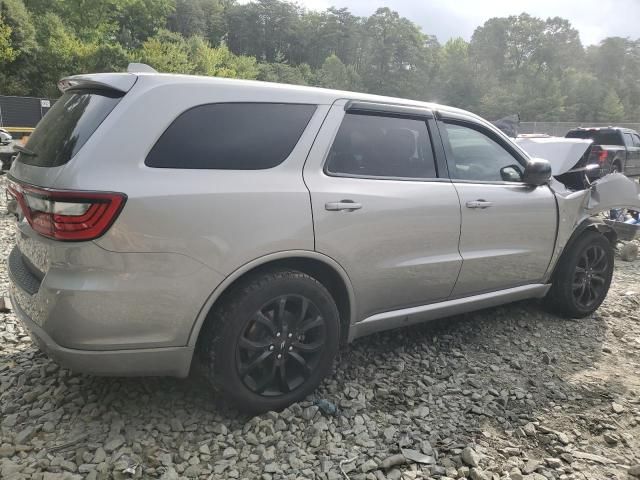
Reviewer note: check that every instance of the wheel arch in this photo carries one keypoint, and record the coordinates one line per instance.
(321, 267)
(617, 161)
(589, 224)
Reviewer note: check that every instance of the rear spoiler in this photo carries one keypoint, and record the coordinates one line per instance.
(121, 82)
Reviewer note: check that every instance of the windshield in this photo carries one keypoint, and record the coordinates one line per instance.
(67, 126)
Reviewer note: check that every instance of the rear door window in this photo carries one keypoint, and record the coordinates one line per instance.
(231, 136)
(381, 146)
(628, 140)
(67, 126)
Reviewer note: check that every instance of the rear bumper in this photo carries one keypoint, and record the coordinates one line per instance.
(167, 361)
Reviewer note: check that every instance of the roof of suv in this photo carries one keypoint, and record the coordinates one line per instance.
(125, 81)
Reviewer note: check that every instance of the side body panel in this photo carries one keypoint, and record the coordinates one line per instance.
(508, 228)
(401, 248)
(508, 244)
(181, 232)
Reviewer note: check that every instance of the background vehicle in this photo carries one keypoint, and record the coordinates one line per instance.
(5, 137)
(260, 225)
(614, 149)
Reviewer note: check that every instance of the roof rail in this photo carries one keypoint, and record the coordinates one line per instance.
(140, 68)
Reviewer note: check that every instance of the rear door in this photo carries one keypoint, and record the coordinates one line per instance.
(508, 228)
(381, 206)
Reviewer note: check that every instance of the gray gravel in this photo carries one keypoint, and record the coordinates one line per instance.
(511, 392)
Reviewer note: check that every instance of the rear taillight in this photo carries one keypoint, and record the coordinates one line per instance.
(598, 154)
(602, 156)
(69, 215)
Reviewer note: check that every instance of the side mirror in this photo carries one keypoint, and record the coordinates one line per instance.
(537, 172)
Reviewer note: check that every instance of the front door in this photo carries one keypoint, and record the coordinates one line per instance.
(508, 227)
(380, 208)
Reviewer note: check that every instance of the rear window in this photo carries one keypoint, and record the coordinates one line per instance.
(599, 137)
(67, 126)
(231, 136)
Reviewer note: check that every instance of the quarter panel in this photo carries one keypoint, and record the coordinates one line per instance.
(92, 299)
(223, 218)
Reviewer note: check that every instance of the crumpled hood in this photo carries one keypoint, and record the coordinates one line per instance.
(562, 153)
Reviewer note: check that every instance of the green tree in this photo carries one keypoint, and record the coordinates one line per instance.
(612, 108)
(457, 83)
(166, 52)
(335, 74)
(59, 53)
(265, 29)
(396, 57)
(219, 61)
(333, 32)
(7, 53)
(281, 72)
(584, 94)
(19, 20)
(19, 32)
(137, 20)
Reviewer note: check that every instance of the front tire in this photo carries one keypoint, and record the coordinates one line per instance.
(272, 340)
(583, 276)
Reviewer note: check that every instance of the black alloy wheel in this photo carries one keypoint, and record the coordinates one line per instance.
(582, 276)
(590, 281)
(281, 345)
(271, 340)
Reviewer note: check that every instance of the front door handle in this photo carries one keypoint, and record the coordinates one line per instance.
(479, 204)
(346, 205)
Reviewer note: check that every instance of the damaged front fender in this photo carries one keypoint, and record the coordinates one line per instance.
(576, 207)
(613, 191)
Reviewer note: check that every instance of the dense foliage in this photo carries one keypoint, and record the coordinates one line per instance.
(523, 64)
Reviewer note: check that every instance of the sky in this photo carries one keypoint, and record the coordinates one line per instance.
(594, 19)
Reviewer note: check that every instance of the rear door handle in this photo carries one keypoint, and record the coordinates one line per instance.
(347, 205)
(479, 204)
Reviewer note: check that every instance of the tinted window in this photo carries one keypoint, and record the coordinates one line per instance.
(628, 140)
(368, 145)
(231, 136)
(599, 137)
(67, 126)
(475, 156)
(636, 140)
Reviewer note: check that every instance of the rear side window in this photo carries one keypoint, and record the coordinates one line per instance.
(382, 146)
(231, 136)
(67, 126)
(628, 140)
(599, 137)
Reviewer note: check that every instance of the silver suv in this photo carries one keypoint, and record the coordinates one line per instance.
(165, 220)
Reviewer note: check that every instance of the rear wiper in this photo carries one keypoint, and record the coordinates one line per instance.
(25, 151)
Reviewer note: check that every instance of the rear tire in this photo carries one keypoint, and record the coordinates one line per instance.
(583, 276)
(272, 340)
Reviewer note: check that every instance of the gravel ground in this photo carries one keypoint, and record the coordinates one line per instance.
(512, 392)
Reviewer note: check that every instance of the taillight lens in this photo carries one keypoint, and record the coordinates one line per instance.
(602, 156)
(69, 215)
(599, 155)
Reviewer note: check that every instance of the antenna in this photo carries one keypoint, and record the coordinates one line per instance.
(140, 68)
